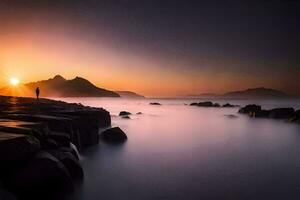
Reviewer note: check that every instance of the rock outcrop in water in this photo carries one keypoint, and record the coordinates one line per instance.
(155, 103)
(124, 113)
(39, 141)
(114, 135)
(277, 113)
(210, 104)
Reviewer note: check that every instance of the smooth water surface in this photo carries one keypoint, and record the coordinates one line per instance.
(176, 151)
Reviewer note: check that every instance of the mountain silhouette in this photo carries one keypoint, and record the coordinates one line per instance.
(129, 94)
(260, 92)
(58, 86)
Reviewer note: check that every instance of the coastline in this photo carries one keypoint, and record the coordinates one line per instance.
(39, 141)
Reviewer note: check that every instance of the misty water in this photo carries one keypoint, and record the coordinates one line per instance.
(176, 151)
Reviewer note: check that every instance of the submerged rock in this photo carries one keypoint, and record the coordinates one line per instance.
(114, 135)
(155, 103)
(126, 117)
(124, 113)
(139, 113)
(231, 116)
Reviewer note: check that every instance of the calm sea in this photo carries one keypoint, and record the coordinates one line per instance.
(175, 151)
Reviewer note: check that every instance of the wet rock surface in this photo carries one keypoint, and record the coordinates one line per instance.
(39, 141)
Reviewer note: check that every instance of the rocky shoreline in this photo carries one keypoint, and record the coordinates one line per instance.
(38, 145)
(289, 114)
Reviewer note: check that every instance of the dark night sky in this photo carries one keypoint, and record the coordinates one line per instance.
(256, 39)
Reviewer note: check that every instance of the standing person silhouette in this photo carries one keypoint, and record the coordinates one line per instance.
(37, 92)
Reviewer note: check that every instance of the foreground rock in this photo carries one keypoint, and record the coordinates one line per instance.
(44, 175)
(17, 147)
(39, 142)
(114, 135)
(278, 113)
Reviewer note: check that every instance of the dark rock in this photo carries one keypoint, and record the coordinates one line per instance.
(114, 135)
(194, 104)
(124, 113)
(250, 109)
(139, 113)
(262, 113)
(281, 113)
(43, 175)
(155, 103)
(17, 146)
(70, 162)
(216, 105)
(49, 144)
(228, 105)
(206, 104)
(62, 139)
(295, 117)
(72, 149)
(126, 117)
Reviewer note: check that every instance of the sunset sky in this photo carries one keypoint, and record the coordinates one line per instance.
(156, 48)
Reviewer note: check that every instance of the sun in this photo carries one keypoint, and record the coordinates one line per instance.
(14, 81)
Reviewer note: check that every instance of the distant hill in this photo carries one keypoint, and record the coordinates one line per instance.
(260, 92)
(203, 95)
(60, 87)
(256, 93)
(129, 94)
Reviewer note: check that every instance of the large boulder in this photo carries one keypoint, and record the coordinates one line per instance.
(281, 113)
(43, 175)
(114, 135)
(124, 113)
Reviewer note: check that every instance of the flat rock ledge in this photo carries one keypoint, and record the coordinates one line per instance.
(39, 144)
